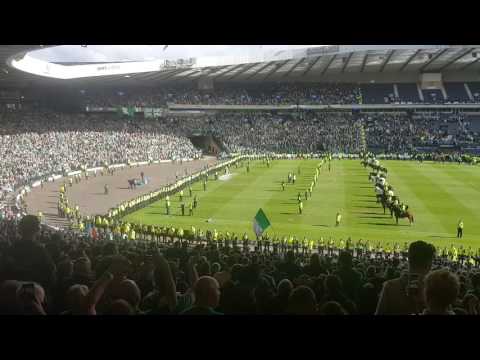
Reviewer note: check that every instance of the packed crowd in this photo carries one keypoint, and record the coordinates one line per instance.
(404, 132)
(282, 133)
(270, 94)
(281, 94)
(34, 145)
(51, 272)
(39, 143)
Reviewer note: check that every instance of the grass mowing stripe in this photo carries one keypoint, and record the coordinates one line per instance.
(440, 202)
(414, 189)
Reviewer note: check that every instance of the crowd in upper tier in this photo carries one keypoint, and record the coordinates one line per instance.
(284, 94)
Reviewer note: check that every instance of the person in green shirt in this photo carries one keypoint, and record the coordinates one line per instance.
(299, 198)
(168, 207)
(181, 195)
(300, 207)
(183, 209)
(204, 185)
(283, 185)
(460, 229)
(190, 190)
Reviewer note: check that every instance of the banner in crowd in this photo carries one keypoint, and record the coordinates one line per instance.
(153, 113)
(127, 111)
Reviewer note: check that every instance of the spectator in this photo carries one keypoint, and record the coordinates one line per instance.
(302, 301)
(441, 290)
(28, 260)
(207, 297)
(334, 292)
(404, 295)
(351, 279)
(332, 308)
(289, 267)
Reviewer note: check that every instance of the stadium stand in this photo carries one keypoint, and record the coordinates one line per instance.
(433, 96)
(456, 93)
(408, 93)
(475, 90)
(45, 271)
(378, 93)
(280, 94)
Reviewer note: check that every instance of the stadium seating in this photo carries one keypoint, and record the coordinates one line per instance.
(279, 94)
(456, 93)
(433, 96)
(378, 93)
(408, 93)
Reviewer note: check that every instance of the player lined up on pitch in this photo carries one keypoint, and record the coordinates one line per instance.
(291, 178)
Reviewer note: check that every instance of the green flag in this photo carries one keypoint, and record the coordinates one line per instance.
(128, 111)
(260, 223)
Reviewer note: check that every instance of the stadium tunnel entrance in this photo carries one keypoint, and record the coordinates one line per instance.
(209, 144)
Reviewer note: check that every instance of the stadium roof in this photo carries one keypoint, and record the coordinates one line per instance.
(295, 65)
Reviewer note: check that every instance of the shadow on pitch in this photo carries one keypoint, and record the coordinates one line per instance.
(383, 224)
(380, 216)
(366, 207)
(368, 213)
(442, 237)
(294, 213)
(320, 225)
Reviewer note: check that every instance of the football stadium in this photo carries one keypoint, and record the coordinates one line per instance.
(247, 179)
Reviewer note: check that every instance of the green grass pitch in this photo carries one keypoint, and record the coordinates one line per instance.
(438, 195)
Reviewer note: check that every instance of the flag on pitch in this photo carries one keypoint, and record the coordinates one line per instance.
(260, 222)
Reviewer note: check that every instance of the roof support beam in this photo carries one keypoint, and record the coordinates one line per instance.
(293, 67)
(470, 64)
(435, 57)
(155, 74)
(364, 62)
(346, 61)
(229, 71)
(409, 60)
(275, 68)
(242, 71)
(464, 53)
(387, 59)
(312, 64)
(210, 71)
(261, 68)
(328, 64)
(147, 75)
(173, 73)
